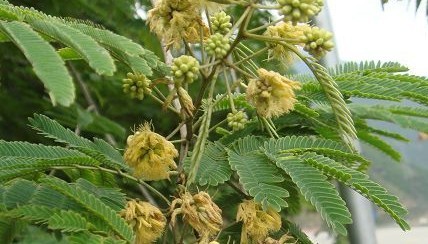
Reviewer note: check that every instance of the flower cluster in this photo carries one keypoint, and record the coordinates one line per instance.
(200, 212)
(271, 93)
(257, 223)
(150, 155)
(300, 10)
(174, 20)
(217, 45)
(137, 85)
(185, 69)
(220, 23)
(237, 120)
(317, 41)
(288, 32)
(147, 221)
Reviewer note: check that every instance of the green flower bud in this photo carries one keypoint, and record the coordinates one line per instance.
(136, 85)
(317, 41)
(185, 69)
(220, 23)
(300, 10)
(237, 120)
(217, 45)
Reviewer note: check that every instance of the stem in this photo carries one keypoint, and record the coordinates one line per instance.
(199, 148)
(216, 125)
(161, 102)
(240, 70)
(252, 55)
(119, 173)
(229, 92)
(265, 26)
(240, 56)
(260, 6)
(175, 130)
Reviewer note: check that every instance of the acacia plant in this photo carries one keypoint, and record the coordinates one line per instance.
(251, 141)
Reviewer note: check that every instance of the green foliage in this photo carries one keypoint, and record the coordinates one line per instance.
(78, 190)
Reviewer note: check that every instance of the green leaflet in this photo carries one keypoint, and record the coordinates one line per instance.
(93, 205)
(256, 174)
(315, 188)
(67, 221)
(214, 168)
(96, 55)
(99, 150)
(47, 64)
(363, 185)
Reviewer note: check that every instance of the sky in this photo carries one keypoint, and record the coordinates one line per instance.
(363, 31)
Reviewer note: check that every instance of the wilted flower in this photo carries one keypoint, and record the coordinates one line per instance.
(147, 221)
(175, 20)
(200, 212)
(289, 33)
(271, 93)
(150, 155)
(257, 223)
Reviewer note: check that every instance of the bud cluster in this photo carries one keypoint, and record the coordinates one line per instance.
(136, 85)
(300, 10)
(237, 120)
(220, 23)
(317, 41)
(217, 45)
(185, 69)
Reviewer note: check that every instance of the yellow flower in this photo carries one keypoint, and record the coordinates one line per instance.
(147, 221)
(257, 223)
(200, 212)
(150, 155)
(272, 94)
(174, 20)
(289, 33)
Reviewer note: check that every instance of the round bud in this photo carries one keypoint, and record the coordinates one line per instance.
(299, 10)
(220, 23)
(185, 69)
(237, 120)
(217, 45)
(136, 85)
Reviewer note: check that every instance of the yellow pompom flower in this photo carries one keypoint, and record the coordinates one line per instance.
(257, 223)
(174, 20)
(200, 212)
(147, 221)
(150, 155)
(289, 33)
(271, 93)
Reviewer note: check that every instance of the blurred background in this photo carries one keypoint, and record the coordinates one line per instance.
(397, 31)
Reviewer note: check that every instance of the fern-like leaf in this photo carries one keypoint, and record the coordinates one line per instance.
(315, 188)
(93, 205)
(68, 221)
(214, 168)
(96, 56)
(363, 185)
(257, 175)
(47, 64)
(25, 149)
